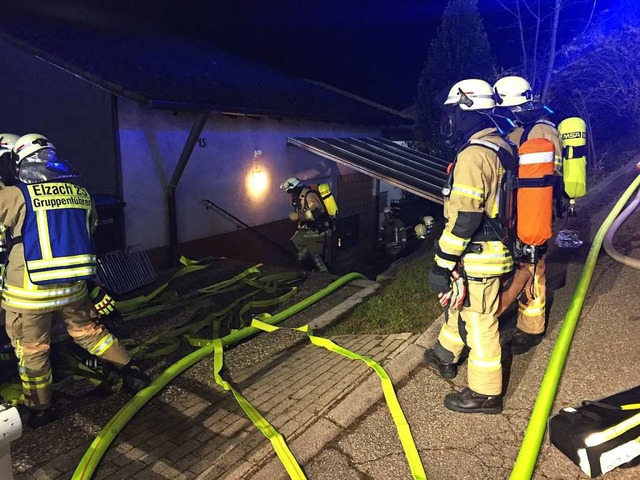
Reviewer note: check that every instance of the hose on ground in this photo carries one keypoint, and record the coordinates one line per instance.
(530, 448)
(107, 435)
(608, 239)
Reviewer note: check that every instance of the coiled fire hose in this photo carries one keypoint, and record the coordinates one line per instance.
(530, 448)
(107, 435)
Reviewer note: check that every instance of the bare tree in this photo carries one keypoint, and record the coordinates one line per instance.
(553, 38)
(537, 25)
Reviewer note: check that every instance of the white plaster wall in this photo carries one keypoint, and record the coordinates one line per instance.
(151, 142)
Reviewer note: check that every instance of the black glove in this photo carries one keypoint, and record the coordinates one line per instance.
(439, 279)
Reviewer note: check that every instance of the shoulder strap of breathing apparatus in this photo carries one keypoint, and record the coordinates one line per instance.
(528, 128)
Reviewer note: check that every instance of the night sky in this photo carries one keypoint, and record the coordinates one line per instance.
(374, 48)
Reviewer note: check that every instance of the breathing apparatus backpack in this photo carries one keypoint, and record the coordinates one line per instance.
(326, 220)
(328, 200)
(525, 198)
(573, 133)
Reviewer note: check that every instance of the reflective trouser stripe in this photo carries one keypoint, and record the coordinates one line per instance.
(103, 345)
(532, 307)
(481, 323)
(36, 382)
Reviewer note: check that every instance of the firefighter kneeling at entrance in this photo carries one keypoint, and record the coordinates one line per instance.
(529, 281)
(50, 221)
(470, 258)
(315, 225)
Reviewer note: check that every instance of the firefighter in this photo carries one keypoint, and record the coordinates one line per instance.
(392, 232)
(470, 258)
(7, 141)
(529, 281)
(315, 226)
(424, 227)
(50, 221)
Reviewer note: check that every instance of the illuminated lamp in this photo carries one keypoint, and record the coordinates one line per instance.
(257, 180)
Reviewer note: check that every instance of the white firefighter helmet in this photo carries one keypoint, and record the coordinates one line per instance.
(29, 144)
(387, 209)
(7, 141)
(291, 183)
(512, 91)
(420, 230)
(428, 221)
(471, 94)
(35, 160)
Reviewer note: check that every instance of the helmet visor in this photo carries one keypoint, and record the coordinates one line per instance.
(447, 124)
(45, 165)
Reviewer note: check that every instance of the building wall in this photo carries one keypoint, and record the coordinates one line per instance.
(222, 161)
(36, 97)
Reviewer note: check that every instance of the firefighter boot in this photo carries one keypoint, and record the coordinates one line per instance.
(319, 264)
(36, 418)
(444, 369)
(522, 342)
(133, 379)
(468, 401)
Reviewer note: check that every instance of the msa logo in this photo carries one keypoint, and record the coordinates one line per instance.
(570, 135)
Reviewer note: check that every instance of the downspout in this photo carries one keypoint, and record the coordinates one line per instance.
(196, 129)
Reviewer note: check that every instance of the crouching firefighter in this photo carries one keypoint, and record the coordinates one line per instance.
(470, 249)
(50, 221)
(315, 222)
(529, 281)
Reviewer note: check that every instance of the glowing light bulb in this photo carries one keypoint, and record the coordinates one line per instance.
(257, 183)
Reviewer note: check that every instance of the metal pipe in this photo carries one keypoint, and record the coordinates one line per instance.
(196, 129)
(209, 204)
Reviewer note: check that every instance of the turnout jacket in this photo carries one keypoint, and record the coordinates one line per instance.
(477, 176)
(50, 224)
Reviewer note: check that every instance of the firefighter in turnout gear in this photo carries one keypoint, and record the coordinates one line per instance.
(315, 225)
(470, 258)
(529, 282)
(393, 234)
(50, 221)
(7, 140)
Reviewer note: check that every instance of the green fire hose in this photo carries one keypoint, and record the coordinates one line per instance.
(528, 455)
(107, 435)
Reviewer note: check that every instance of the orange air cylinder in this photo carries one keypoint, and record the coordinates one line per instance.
(535, 203)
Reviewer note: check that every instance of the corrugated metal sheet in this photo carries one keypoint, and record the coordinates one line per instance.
(406, 168)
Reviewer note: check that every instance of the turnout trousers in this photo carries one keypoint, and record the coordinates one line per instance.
(476, 326)
(310, 242)
(530, 286)
(30, 335)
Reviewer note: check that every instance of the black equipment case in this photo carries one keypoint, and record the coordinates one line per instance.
(600, 435)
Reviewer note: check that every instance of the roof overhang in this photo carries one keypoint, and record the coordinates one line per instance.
(406, 168)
